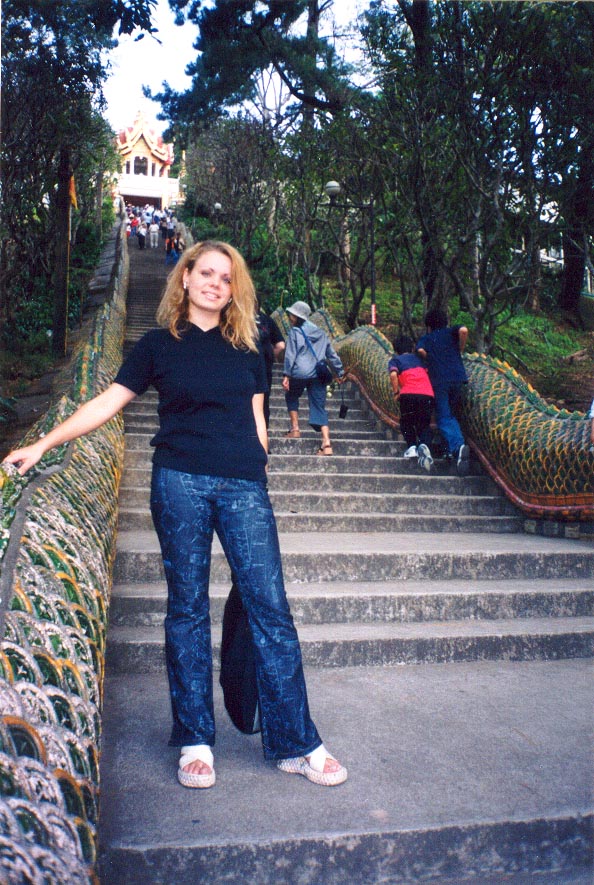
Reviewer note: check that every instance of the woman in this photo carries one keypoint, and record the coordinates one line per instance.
(209, 475)
(307, 344)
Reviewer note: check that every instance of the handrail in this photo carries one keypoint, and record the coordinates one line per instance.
(56, 555)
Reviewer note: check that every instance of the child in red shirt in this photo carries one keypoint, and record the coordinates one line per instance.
(414, 393)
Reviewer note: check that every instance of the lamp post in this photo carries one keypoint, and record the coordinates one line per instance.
(333, 189)
(217, 211)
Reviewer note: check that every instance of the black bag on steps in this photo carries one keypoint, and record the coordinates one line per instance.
(238, 667)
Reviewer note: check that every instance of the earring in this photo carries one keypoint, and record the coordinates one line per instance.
(229, 302)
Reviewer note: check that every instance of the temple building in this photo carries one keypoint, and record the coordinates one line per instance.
(146, 160)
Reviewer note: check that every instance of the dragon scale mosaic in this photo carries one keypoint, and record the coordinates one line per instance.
(541, 456)
(54, 605)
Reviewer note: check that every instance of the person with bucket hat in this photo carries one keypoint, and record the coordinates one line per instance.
(307, 347)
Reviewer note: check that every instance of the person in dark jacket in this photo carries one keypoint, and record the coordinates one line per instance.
(442, 349)
(273, 346)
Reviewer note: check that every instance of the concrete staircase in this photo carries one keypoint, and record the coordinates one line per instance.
(476, 771)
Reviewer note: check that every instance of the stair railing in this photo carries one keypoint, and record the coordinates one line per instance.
(57, 546)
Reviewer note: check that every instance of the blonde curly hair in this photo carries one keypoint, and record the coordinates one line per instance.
(238, 319)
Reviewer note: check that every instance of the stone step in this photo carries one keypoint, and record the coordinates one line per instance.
(278, 429)
(364, 644)
(320, 521)
(147, 403)
(471, 773)
(419, 483)
(360, 448)
(279, 418)
(300, 502)
(141, 315)
(411, 601)
(310, 439)
(312, 463)
(350, 393)
(379, 556)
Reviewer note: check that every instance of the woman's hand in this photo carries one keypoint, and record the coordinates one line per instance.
(26, 458)
(285, 382)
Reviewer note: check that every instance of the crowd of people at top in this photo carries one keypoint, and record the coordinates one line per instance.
(151, 226)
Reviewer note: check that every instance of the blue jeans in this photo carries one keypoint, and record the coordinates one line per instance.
(448, 402)
(187, 508)
(316, 396)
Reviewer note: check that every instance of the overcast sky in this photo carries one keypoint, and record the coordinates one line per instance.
(148, 63)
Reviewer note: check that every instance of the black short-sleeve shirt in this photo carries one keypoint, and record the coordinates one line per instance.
(205, 388)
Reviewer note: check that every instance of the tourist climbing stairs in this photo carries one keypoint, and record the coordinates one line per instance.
(469, 761)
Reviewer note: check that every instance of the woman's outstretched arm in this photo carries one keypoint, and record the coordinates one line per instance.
(88, 417)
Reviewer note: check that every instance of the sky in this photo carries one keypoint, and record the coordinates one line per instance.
(149, 63)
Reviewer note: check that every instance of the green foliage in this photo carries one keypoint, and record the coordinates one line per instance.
(25, 342)
(23, 359)
(237, 42)
(8, 411)
(275, 281)
(539, 341)
(52, 58)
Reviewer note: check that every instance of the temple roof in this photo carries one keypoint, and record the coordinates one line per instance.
(129, 137)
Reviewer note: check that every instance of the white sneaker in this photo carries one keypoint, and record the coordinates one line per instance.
(463, 461)
(411, 452)
(425, 459)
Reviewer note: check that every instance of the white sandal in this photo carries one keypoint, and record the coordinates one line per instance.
(313, 768)
(197, 752)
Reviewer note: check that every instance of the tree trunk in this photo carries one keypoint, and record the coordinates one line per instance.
(62, 256)
(578, 216)
(99, 204)
(574, 264)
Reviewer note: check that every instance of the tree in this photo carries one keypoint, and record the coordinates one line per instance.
(239, 45)
(52, 61)
(561, 79)
(238, 41)
(232, 163)
(465, 156)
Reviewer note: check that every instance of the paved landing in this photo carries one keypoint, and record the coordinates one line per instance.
(427, 746)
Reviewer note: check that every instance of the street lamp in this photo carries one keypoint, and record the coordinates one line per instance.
(216, 210)
(333, 190)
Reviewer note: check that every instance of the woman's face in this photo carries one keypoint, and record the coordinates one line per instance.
(209, 287)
